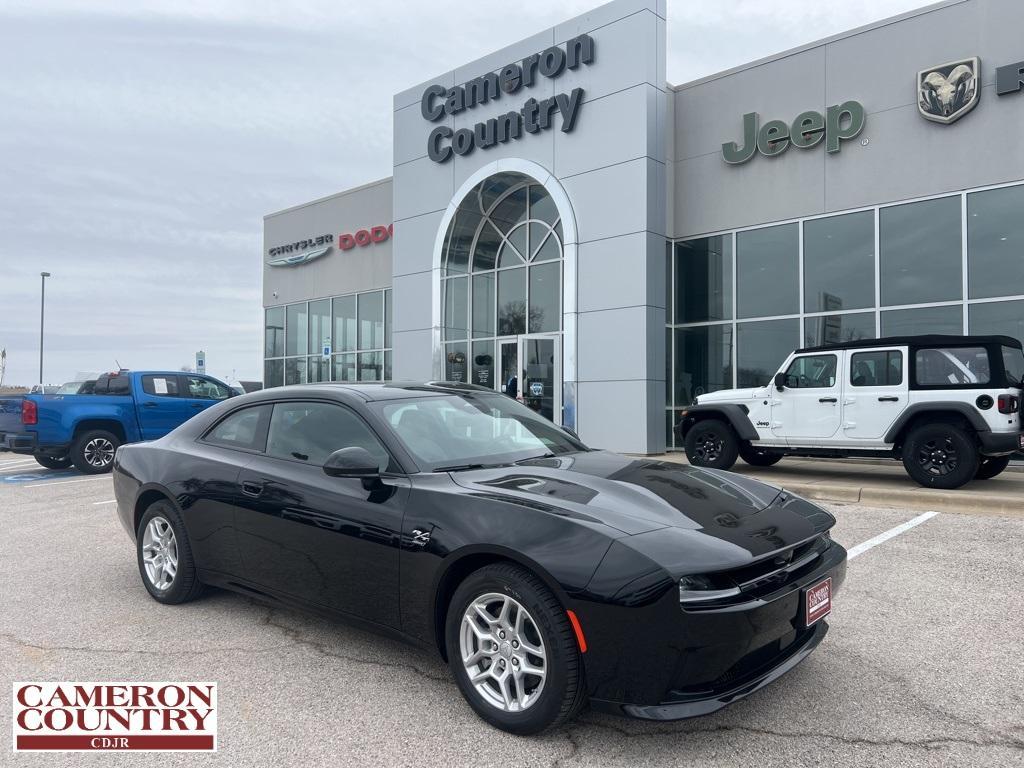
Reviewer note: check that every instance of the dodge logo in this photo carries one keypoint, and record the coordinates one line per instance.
(948, 92)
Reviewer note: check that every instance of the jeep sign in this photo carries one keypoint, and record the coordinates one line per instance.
(839, 123)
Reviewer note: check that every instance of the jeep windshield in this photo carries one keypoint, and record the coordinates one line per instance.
(471, 430)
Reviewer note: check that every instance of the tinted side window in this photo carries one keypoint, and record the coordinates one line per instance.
(160, 386)
(242, 429)
(310, 432)
(113, 385)
(951, 367)
(199, 388)
(1013, 362)
(876, 369)
(811, 372)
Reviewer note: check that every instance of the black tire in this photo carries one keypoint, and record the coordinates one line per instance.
(758, 457)
(941, 456)
(185, 584)
(53, 462)
(713, 444)
(990, 466)
(563, 693)
(93, 451)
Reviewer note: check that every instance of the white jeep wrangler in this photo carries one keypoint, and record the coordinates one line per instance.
(947, 406)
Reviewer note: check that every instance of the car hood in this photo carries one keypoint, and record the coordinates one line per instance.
(731, 395)
(637, 496)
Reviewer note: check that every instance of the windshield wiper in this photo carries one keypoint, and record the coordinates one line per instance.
(462, 467)
(547, 455)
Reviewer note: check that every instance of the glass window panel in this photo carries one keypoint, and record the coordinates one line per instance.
(459, 239)
(876, 369)
(310, 432)
(483, 304)
(704, 279)
(767, 271)
(908, 322)
(345, 367)
(388, 375)
(670, 423)
(703, 361)
(483, 363)
(812, 372)
(492, 188)
(542, 206)
(839, 262)
(951, 366)
(344, 337)
(511, 210)
(762, 348)
(518, 238)
(456, 307)
(486, 248)
(508, 256)
(833, 329)
(295, 335)
(273, 333)
(537, 234)
(545, 297)
(240, 429)
(668, 367)
(455, 361)
(319, 325)
(318, 369)
(371, 320)
(512, 302)
(371, 366)
(1002, 318)
(669, 313)
(273, 373)
(995, 242)
(920, 252)
(549, 249)
(295, 370)
(389, 314)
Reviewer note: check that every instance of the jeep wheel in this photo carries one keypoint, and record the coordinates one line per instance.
(758, 457)
(991, 466)
(940, 456)
(713, 444)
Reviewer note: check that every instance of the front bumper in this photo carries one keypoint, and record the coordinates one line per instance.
(18, 442)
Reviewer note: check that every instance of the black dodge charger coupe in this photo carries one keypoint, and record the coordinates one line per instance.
(547, 574)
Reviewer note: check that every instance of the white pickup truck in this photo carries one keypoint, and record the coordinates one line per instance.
(947, 406)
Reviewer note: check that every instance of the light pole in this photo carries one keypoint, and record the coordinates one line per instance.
(42, 317)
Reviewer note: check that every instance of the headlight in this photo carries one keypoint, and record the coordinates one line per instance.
(703, 588)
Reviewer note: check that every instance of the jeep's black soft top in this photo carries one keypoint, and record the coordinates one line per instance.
(932, 340)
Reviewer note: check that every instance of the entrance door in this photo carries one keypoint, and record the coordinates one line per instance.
(507, 379)
(540, 377)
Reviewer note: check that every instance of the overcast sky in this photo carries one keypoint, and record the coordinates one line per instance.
(141, 143)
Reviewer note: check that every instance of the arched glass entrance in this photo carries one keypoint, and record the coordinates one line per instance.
(501, 292)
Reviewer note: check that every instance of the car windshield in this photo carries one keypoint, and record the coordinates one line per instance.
(71, 388)
(1013, 360)
(466, 430)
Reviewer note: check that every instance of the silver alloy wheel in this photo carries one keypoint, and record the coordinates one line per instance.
(160, 553)
(503, 652)
(99, 452)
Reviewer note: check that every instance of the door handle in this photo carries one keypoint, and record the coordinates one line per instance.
(889, 399)
(149, 404)
(827, 400)
(252, 489)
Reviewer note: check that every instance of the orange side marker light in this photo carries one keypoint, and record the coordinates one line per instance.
(578, 630)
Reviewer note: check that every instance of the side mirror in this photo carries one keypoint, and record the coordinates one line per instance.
(780, 381)
(352, 462)
(571, 431)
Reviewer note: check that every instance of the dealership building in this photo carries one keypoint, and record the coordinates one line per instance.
(562, 220)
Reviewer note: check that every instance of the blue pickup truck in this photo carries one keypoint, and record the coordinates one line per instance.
(124, 407)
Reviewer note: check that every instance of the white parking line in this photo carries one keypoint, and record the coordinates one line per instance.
(19, 463)
(65, 482)
(874, 542)
(112, 501)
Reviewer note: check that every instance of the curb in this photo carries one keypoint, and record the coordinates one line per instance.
(989, 505)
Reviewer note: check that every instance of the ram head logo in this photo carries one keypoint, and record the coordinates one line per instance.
(948, 92)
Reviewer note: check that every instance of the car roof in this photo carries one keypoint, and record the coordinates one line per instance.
(371, 391)
(932, 340)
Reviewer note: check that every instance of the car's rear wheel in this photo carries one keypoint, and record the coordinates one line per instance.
(165, 556)
(53, 462)
(991, 466)
(711, 443)
(758, 457)
(940, 456)
(513, 651)
(93, 451)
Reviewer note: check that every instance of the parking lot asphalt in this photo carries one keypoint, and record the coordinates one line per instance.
(922, 665)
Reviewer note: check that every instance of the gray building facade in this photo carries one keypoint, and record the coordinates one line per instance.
(566, 226)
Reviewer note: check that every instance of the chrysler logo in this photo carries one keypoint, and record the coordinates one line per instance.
(948, 92)
(295, 259)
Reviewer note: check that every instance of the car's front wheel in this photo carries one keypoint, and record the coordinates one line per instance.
(53, 462)
(513, 651)
(711, 443)
(991, 466)
(940, 456)
(165, 556)
(93, 451)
